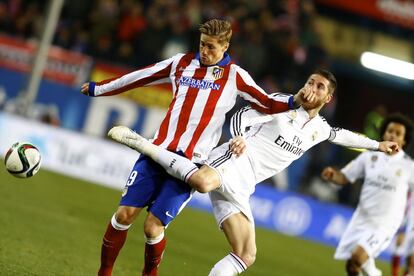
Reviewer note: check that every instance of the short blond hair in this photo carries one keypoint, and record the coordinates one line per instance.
(219, 28)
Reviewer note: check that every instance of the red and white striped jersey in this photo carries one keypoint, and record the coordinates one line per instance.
(202, 96)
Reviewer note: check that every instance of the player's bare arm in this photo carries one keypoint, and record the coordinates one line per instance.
(331, 174)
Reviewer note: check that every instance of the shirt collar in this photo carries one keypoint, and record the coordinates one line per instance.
(223, 62)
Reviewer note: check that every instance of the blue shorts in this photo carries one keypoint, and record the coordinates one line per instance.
(150, 185)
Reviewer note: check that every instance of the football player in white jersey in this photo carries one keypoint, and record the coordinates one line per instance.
(382, 202)
(270, 143)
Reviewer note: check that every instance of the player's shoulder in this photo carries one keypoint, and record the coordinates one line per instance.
(325, 124)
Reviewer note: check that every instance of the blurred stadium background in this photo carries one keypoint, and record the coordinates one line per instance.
(53, 224)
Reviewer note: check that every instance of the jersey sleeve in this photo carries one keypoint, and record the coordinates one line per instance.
(153, 74)
(351, 139)
(244, 118)
(355, 169)
(411, 181)
(259, 99)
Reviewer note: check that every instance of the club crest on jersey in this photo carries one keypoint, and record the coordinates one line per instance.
(218, 72)
(398, 172)
(292, 115)
(314, 136)
(374, 158)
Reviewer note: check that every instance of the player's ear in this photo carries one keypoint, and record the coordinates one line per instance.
(226, 46)
(329, 98)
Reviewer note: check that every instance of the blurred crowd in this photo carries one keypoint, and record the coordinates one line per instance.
(275, 40)
(278, 42)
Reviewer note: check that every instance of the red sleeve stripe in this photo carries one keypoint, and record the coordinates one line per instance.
(270, 105)
(208, 112)
(185, 112)
(164, 73)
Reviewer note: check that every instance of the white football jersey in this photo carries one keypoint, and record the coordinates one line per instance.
(202, 95)
(275, 141)
(387, 179)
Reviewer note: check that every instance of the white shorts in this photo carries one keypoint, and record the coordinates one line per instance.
(372, 239)
(237, 184)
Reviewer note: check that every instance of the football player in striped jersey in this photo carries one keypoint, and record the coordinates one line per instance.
(205, 86)
(382, 201)
(263, 145)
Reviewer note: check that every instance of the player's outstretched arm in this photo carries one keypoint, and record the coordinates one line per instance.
(331, 174)
(204, 179)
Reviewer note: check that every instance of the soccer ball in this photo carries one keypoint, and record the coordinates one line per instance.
(22, 160)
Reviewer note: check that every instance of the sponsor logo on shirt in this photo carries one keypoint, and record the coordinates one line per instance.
(290, 147)
(200, 84)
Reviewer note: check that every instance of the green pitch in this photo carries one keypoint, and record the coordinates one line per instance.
(53, 225)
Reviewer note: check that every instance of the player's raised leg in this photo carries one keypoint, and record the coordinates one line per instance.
(240, 234)
(203, 180)
(115, 236)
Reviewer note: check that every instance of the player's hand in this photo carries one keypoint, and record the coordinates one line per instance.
(305, 94)
(388, 147)
(85, 88)
(238, 145)
(328, 174)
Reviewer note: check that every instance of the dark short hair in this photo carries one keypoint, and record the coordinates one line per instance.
(400, 119)
(330, 77)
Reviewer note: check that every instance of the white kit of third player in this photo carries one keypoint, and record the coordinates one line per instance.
(381, 204)
(273, 143)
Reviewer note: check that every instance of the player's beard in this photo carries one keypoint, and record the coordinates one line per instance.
(313, 105)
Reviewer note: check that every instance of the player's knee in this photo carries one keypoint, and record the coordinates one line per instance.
(153, 228)
(205, 180)
(202, 186)
(126, 215)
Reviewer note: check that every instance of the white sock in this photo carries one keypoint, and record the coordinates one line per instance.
(370, 269)
(228, 266)
(154, 240)
(176, 165)
(117, 225)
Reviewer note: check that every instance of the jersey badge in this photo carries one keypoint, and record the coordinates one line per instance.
(374, 158)
(292, 115)
(218, 72)
(314, 136)
(398, 172)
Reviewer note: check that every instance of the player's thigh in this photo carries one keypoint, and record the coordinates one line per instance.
(240, 233)
(172, 196)
(143, 183)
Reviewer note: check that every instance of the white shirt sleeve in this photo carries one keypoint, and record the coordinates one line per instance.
(356, 168)
(244, 118)
(351, 139)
